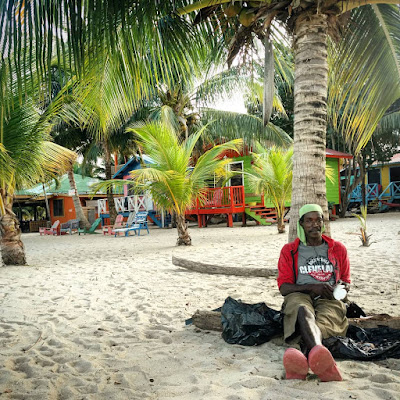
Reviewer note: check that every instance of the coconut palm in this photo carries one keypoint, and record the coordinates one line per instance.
(174, 183)
(369, 47)
(272, 174)
(27, 156)
(374, 62)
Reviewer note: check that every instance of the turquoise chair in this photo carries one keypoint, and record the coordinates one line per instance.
(92, 229)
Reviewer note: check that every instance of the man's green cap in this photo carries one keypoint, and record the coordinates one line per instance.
(304, 210)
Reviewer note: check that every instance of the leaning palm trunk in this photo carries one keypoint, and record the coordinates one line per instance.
(12, 248)
(83, 222)
(183, 233)
(46, 201)
(110, 197)
(310, 94)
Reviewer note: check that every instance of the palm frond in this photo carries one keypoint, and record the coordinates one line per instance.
(230, 125)
(389, 122)
(365, 78)
(221, 84)
(40, 32)
(30, 153)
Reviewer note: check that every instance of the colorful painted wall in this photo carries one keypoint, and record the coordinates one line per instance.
(389, 172)
(332, 187)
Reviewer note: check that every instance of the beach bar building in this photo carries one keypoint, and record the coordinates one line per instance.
(60, 202)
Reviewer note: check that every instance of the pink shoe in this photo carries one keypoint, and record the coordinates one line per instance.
(322, 364)
(295, 363)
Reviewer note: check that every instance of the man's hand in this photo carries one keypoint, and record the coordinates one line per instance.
(345, 284)
(324, 290)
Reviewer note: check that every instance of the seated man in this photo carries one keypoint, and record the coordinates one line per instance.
(309, 269)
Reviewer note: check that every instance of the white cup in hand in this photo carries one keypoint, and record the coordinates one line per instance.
(339, 293)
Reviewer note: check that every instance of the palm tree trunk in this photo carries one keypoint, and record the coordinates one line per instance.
(110, 198)
(310, 94)
(279, 220)
(269, 85)
(361, 164)
(12, 248)
(183, 233)
(84, 223)
(46, 201)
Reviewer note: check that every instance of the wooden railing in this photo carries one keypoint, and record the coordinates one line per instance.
(228, 198)
(127, 204)
(372, 192)
(392, 191)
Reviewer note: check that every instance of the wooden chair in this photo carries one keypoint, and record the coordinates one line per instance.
(109, 229)
(69, 226)
(139, 223)
(92, 229)
(53, 230)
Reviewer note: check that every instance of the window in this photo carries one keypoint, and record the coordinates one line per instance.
(374, 176)
(236, 180)
(394, 174)
(58, 208)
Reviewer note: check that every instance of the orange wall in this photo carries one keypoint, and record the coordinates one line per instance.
(69, 209)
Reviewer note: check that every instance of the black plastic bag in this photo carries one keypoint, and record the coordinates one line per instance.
(366, 344)
(254, 324)
(249, 324)
(354, 311)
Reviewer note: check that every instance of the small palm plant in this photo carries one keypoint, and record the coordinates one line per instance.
(272, 175)
(173, 182)
(363, 226)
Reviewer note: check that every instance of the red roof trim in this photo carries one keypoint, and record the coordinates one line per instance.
(337, 154)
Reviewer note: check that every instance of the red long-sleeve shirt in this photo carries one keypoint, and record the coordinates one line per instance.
(288, 265)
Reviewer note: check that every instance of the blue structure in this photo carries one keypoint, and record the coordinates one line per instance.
(131, 202)
(131, 165)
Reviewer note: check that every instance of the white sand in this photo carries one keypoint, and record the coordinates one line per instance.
(95, 317)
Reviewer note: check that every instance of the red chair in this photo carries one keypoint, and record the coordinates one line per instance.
(50, 231)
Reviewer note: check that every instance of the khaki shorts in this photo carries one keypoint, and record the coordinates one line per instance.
(330, 316)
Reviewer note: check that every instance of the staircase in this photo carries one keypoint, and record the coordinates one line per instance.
(155, 217)
(373, 205)
(262, 214)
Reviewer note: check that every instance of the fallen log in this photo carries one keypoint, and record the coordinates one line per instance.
(207, 320)
(211, 320)
(376, 320)
(218, 269)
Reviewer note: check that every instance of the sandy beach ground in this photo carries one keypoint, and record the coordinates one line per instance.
(96, 317)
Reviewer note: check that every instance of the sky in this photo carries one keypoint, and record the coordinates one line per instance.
(235, 103)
